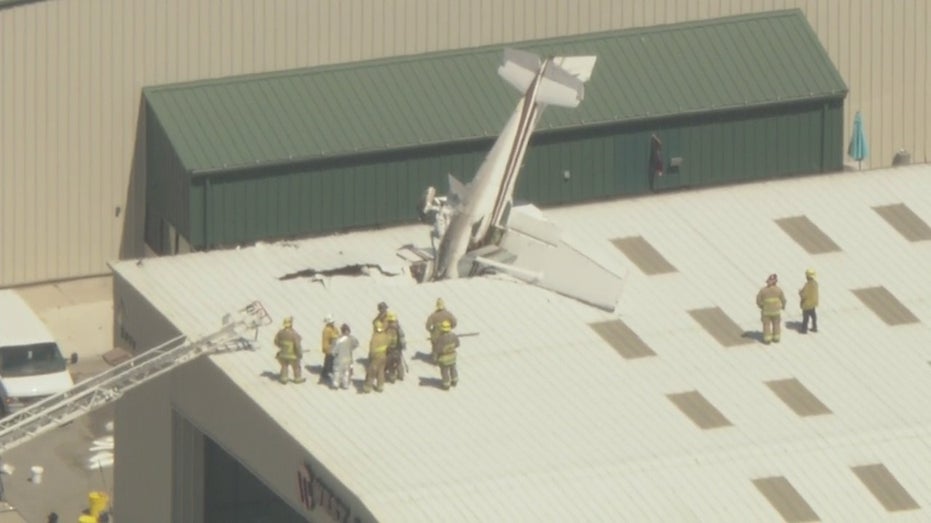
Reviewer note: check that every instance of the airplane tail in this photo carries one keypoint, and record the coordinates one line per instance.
(563, 81)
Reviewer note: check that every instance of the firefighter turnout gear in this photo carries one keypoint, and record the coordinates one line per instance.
(329, 335)
(438, 316)
(444, 347)
(289, 353)
(771, 301)
(808, 298)
(378, 353)
(382, 315)
(394, 367)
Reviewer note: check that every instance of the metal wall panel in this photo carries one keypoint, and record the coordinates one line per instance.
(375, 191)
(188, 466)
(726, 148)
(71, 73)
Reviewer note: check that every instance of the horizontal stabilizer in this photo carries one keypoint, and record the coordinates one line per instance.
(560, 268)
(528, 220)
(578, 66)
(563, 80)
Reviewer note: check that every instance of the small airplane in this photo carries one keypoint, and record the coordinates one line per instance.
(479, 228)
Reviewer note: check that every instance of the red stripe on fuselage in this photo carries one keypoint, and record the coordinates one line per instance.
(527, 120)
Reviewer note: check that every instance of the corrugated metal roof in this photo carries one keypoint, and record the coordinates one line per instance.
(694, 67)
(550, 422)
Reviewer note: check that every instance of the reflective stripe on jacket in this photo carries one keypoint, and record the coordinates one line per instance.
(446, 346)
(771, 300)
(289, 344)
(379, 343)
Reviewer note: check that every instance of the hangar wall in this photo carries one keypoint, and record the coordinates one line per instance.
(160, 426)
(71, 73)
(137, 325)
(383, 190)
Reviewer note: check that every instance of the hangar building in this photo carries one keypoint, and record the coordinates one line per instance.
(325, 149)
(669, 409)
(73, 121)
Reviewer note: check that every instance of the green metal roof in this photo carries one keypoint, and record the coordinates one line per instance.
(726, 63)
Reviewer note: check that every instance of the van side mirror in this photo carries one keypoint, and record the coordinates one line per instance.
(74, 358)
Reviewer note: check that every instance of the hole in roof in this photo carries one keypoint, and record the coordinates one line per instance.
(346, 270)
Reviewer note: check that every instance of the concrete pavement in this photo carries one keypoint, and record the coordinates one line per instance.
(80, 315)
(77, 457)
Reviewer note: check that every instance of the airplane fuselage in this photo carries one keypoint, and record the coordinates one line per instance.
(485, 203)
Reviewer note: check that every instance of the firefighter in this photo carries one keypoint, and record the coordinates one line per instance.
(436, 318)
(382, 315)
(289, 354)
(342, 356)
(444, 346)
(771, 302)
(809, 302)
(330, 333)
(394, 368)
(378, 352)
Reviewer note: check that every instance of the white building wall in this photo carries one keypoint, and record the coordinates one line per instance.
(142, 435)
(154, 441)
(137, 325)
(71, 159)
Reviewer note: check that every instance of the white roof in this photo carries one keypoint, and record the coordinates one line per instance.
(19, 325)
(552, 423)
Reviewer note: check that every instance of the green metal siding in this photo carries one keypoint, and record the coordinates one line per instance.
(716, 149)
(602, 162)
(642, 74)
(167, 186)
(323, 197)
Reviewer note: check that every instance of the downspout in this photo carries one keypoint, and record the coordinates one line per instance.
(824, 132)
(206, 213)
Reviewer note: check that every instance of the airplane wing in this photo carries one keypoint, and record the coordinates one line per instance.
(532, 250)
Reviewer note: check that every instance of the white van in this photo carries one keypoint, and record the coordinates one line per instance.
(31, 364)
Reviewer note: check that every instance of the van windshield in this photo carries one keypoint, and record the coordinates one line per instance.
(31, 360)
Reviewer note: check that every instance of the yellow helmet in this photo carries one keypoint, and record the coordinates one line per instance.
(391, 316)
(810, 273)
(379, 326)
(440, 304)
(446, 326)
(288, 321)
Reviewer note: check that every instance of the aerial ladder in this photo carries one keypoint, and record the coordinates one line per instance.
(107, 387)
